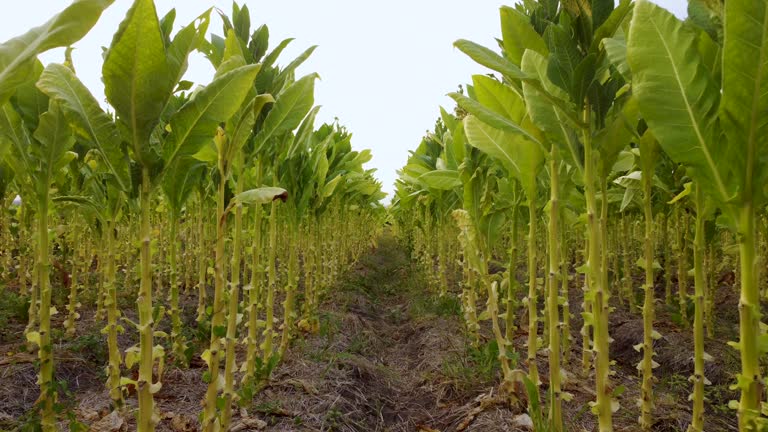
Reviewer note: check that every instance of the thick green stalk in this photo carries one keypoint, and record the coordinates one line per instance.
(146, 420)
(605, 242)
(100, 294)
(202, 261)
(48, 394)
(72, 316)
(210, 421)
(555, 407)
(269, 333)
(564, 293)
(682, 263)
(34, 291)
(178, 344)
(586, 306)
(649, 313)
(115, 358)
(289, 305)
(750, 380)
(626, 262)
(441, 256)
(254, 290)
(667, 258)
(22, 256)
(234, 301)
(533, 370)
(709, 302)
(697, 424)
(512, 284)
(600, 296)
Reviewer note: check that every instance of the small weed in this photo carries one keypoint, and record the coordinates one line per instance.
(13, 309)
(359, 344)
(91, 346)
(444, 306)
(477, 365)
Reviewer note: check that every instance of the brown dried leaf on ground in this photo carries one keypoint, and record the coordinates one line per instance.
(111, 423)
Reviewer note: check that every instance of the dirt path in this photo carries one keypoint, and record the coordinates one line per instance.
(388, 358)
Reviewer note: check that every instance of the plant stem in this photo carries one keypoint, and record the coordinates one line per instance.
(555, 408)
(146, 420)
(48, 393)
(697, 424)
(533, 371)
(115, 358)
(600, 303)
(750, 380)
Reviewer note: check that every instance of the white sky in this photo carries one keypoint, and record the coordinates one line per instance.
(385, 66)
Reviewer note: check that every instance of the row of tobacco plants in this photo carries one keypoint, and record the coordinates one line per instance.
(601, 127)
(225, 191)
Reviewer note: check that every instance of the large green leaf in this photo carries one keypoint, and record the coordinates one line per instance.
(258, 196)
(745, 85)
(564, 58)
(520, 156)
(196, 122)
(330, 187)
(489, 59)
(180, 180)
(619, 130)
(53, 139)
(87, 118)
(677, 97)
(490, 117)
(441, 179)
(499, 97)
(518, 35)
(137, 77)
(616, 52)
(549, 117)
(294, 64)
(289, 109)
(70, 25)
(186, 40)
(17, 135)
(611, 25)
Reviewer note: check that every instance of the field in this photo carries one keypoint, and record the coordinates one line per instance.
(578, 244)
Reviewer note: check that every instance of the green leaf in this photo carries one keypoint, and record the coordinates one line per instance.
(263, 195)
(441, 179)
(491, 118)
(611, 25)
(289, 109)
(499, 97)
(518, 35)
(294, 64)
(87, 118)
(330, 187)
(180, 180)
(489, 59)
(616, 52)
(17, 56)
(549, 117)
(687, 187)
(745, 86)
(564, 58)
(196, 122)
(187, 40)
(13, 129)
(522, 157)
(137, 78)
(677, 96)
(53, 139)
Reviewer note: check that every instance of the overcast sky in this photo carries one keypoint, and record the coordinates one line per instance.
(385, 66)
